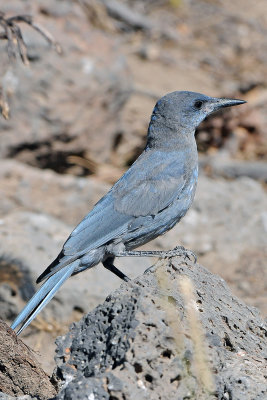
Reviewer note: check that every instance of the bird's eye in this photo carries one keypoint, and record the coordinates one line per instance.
(198, 104)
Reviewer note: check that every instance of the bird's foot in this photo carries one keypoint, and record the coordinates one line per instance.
(179, 251)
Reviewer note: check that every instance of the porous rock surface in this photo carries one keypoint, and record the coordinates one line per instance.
(177, 332)
(20, 373)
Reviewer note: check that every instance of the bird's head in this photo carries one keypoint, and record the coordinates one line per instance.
(186, 110)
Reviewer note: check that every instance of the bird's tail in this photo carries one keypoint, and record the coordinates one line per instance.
(43, 296)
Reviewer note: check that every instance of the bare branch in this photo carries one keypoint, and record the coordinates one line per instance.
(48, 37)
(4, 107)
(15, 42)
(22, 49)
(16, 46)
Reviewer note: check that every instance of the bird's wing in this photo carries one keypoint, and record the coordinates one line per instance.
(100, 226)
(151, 184)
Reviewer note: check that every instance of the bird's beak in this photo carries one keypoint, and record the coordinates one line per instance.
(216, 104)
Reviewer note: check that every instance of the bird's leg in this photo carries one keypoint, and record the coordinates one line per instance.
(177, 251)
(108, 264)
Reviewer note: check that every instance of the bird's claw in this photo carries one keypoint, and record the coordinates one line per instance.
(181, 251)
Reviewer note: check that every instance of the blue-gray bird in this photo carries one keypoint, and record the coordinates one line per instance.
(147, 201)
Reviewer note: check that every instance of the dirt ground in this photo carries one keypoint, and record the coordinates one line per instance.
(84, 113)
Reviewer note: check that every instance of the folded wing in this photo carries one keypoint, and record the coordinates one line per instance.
(150, 185)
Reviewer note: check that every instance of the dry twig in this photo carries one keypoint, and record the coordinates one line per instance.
(4, 107)
(15, 42)
(17, 46)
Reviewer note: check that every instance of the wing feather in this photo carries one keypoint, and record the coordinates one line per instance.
(151, 184)
(100, 226)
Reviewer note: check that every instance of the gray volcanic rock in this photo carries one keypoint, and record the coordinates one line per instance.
(177, 332)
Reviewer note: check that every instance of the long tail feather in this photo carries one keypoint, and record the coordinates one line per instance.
(43, 296)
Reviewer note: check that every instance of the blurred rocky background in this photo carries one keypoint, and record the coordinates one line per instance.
(72, 123)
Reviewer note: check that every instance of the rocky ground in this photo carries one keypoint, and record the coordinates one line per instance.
(78, 119)
(177, 331)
